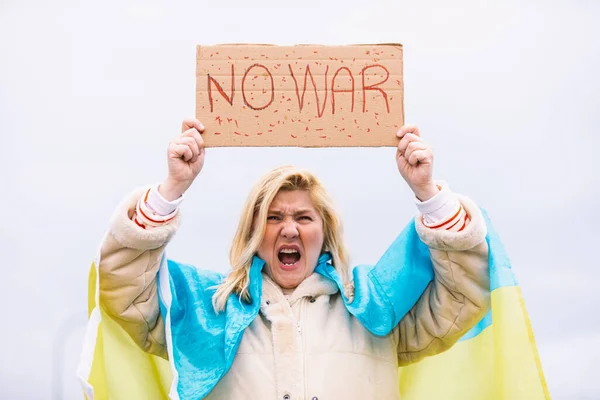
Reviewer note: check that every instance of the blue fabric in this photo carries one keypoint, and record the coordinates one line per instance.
(500, 267)
(405, 267)
(501, 274)
(205, 344)
(477, 329)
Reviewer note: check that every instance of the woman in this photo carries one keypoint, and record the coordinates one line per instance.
(291, 321)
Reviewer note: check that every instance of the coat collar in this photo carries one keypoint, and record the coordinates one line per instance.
(314, 286)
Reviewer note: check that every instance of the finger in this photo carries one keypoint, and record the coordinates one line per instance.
(406, 140)
(193, 133)
(399, 153)
(190, 123)
(414, 146)
(423, 156)
(181, 151)
(188, 141)
(408, 129)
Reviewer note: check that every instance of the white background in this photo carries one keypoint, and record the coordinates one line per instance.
(91, 93)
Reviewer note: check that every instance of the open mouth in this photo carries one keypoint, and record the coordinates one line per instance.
(288, 256)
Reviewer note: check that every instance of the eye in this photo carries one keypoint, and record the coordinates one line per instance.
(305, 217)
(273, 218)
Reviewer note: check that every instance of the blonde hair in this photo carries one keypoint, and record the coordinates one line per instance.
(251, 229)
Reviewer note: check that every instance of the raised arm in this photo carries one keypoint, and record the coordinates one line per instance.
(454, 230)
(132, 250)
(129, 259)
(457, 298)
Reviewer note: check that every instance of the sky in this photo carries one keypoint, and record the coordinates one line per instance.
(92, 92)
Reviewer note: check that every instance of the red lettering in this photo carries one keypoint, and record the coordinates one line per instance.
(334, 90)
(272, 87)
(248, 98)
(212, 80)
(373, 86)
(320, 110)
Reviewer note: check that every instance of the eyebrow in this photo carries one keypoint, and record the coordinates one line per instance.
(296, 212)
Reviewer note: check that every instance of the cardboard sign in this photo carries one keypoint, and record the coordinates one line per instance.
(306, 96)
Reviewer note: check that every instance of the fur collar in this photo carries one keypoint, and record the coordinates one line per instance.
(313, 286)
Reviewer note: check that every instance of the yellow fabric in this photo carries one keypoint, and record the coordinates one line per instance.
(501, 363)
(112, 375)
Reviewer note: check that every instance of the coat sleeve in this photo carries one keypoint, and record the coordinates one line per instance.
(129, 260)
(458, 296)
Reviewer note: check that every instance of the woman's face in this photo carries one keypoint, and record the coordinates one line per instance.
(293, 238)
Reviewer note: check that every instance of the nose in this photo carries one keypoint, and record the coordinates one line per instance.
(289, 230)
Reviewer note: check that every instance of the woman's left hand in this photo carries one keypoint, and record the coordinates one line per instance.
(415, 162)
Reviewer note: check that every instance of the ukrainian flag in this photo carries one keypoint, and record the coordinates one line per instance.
(496, 360)
(112, 366)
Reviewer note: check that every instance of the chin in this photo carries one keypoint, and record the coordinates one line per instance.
(289, 279)
(288, 285)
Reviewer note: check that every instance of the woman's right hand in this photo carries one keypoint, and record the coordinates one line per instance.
(185, 157)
